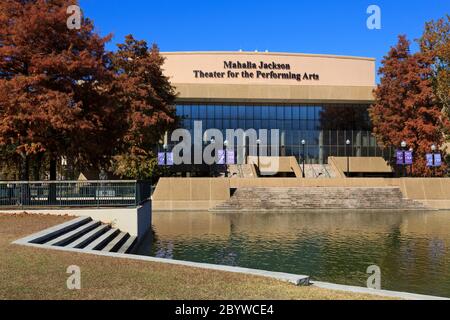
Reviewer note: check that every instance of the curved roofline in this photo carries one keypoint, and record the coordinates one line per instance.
(267, 54)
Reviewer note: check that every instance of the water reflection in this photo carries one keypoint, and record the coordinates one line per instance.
(411, 248)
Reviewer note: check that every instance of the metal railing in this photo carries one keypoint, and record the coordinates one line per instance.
(102, 193)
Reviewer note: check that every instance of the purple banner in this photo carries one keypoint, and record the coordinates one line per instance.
(220, 156)
(437, 160)
(429, 157)
(408, 158)
(170, 158)
(400, 157)
(161, 158)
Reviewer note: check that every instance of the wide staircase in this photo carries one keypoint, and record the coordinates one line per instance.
(301, 198)
(85, 234)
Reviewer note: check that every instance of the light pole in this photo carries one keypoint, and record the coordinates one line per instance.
(225, 144)
(433, 150)
(303, 158)
(211, 168)
(411, 165)
(347, 143)
(165, 147)
(258, 142)
(403, 145)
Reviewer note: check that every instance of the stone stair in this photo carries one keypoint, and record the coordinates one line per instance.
(85, 234)
(329, 198)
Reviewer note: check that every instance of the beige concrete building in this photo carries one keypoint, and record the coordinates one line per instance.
(319, 104)
(319, 99)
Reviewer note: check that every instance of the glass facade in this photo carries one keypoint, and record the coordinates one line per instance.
(325, 128)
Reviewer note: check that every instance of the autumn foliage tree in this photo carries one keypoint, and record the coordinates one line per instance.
(149, 99)
(56, 86)
(436, 42)
(406, 108)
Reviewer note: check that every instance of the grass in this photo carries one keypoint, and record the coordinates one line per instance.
(31, 273)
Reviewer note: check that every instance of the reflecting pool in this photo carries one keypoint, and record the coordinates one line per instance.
(411, 248)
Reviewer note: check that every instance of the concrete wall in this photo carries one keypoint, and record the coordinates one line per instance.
(204, 193)
(271, 165)
(359, 165)
(190, 193)
(342, 79)
(144, 218)
(135, 221)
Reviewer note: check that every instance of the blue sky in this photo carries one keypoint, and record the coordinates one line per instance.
(321, 26)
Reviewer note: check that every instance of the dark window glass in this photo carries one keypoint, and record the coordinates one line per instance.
(280, 124)
(202, 112)
(303, 125)
(264, 124)
(248, 112)
(273, 124)
(265, 112)
(303, 113)
(194, 112)
(241, 112)
(280, 113)
(295, 112)
(234, 112)
(272, 112)
(179, 111)
(226, 112)
(218, 124)
(310, 113)
(288, 112)
(257, 112)
(218, 112)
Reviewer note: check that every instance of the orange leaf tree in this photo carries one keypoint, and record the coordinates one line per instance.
(55, 86)
(406, 107)
(149, 99)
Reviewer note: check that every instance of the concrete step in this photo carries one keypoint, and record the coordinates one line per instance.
(117, 242)
(74, 234)
(128, 245)
(88, 237)
(297, 198)
(101, 241)
(54, 232)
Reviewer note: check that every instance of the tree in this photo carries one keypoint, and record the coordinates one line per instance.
(149, 99)
(436, 42)
(55, 86)
(406, 107)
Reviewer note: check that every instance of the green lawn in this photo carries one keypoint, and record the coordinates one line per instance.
(30, 273)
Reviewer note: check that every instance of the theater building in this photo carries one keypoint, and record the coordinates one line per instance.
(322, 99)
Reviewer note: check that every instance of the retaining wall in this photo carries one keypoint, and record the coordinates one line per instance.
(205, 193)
